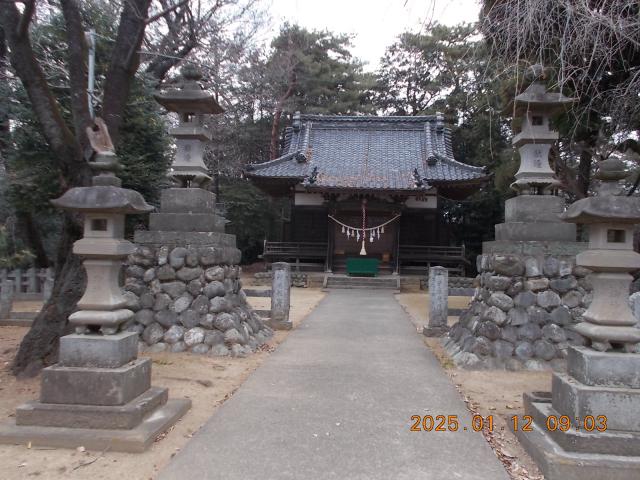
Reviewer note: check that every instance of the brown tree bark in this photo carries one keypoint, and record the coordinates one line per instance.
(39, 347)
(584, 172)
(4, 101)
(29, 231)
(125, 61)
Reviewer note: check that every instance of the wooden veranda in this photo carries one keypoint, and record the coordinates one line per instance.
(408, 259)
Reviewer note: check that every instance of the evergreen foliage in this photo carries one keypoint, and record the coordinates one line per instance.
(320, 69)
(253, 216)
(35, 179)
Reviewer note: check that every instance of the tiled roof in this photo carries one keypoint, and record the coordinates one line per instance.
(366, 152)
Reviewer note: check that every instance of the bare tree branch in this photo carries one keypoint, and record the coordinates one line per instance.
(594, 45)
(124, 63)
(22, 57)
(25, 19)
(166, 11)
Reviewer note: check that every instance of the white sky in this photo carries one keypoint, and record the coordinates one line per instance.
(375, 23)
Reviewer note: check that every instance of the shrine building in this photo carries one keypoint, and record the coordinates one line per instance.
(366, 187)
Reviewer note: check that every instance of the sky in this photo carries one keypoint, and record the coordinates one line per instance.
(375, 23)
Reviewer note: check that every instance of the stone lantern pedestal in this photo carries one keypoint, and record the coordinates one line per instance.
(529, 288)
(99, 394)
(598, 399)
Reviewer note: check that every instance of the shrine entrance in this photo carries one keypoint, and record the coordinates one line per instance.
(368, 230)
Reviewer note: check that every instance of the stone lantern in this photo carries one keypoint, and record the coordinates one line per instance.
(529, 290)
(533, 214)
(588, 426)
(185, 273)
(535, 107)
(99, 394)
(610, 216)
(190, 207)
(191, 103)
(103, 247)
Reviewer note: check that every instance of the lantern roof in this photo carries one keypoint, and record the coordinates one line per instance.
(189, 96)
(609, 206)
(536, 97)
(102, 199)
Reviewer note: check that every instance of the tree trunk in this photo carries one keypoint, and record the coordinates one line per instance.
(275, 128)
(4, 99)
(39, 347)
(275, 125)
(30, 233)
(584, 172)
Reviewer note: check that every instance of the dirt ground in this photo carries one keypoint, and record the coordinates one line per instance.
(486, 392)
(207, 381)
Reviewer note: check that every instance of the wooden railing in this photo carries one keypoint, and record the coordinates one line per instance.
(421, 257)
(300, 254)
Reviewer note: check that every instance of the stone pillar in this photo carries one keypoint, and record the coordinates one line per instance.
(17, 277)
(7, 293)
(280, 296)
(438, 302)
(47, 286)
(32, 280)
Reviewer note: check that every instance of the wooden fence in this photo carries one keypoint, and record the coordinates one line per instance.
(29, 284)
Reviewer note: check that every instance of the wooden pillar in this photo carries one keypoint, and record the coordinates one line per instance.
(292, 223)
(331, 229)
(396, 248)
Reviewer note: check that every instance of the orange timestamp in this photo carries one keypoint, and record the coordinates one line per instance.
(563, 423)
(449, 423)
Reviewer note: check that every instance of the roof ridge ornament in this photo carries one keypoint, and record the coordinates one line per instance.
(417, 179)
(297, 122)
(314, 176)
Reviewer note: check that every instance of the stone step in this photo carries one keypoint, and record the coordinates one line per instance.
(256, 292)
(577, 439)
(134, 440)
(362, 282)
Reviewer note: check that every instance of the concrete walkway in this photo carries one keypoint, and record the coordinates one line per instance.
(335, 402)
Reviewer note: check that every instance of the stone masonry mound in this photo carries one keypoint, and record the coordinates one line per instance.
(191, 299)
(522, 313)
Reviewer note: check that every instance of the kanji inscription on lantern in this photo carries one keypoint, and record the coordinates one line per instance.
(537, 158)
